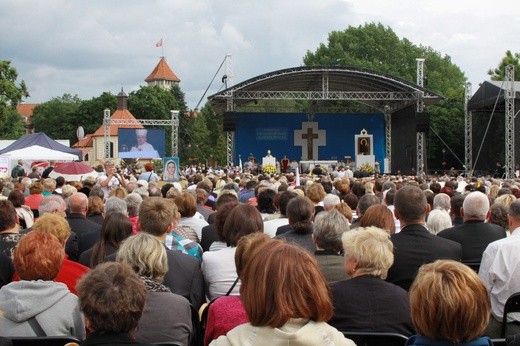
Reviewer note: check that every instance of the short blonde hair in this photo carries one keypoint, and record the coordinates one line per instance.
(68, 190)
(371, 248)
(315, 192)
(449, 302)
(53, 224)
(146, 255)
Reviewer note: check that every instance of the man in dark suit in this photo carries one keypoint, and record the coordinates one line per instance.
(414, 245)
(474, 234)
(184, 276)
(78, 222)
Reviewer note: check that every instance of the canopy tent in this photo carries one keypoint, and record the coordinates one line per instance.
(38, 146)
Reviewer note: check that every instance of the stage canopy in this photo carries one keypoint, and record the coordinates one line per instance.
(383, 92)
(38, 146)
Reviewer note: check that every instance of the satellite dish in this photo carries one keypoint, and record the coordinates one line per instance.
(80, 133)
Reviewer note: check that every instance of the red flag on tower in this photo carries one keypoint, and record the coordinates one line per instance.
(159, 43)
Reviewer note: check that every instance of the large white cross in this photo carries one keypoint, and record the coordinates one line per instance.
(310, 138)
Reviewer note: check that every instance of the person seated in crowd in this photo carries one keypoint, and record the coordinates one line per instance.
(474, 235)
(328, 228)
(414, 245)
(9, 228)
(300, 212)
(35, 195)
(438, 220)
(37, 299)
(147, 257)
(378, 216)
(366, 302)
(190, 218)
(95, 209)
(271, 226)
(112, 298)
(209, 232)
(218, 267)
(133, 202)
(179, 237)
(70, 271)
(25, 214)
(286, 298)
(449, 306)
(227, 312)
(114, 230)
(316, 193)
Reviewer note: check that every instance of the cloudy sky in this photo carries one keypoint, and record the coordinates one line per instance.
(88, 47)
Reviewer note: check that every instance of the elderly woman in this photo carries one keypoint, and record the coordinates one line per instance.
(112, 298)
(37, 299)
(438, 220)
(218, 267)
(329, 226)
(35, 195)
(286, 298)
(300, 212)
(133, 202)
(366, 302)
(116, 228)
(147, 257)
(449, 305)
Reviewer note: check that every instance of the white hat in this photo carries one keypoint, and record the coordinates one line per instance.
(141, 132)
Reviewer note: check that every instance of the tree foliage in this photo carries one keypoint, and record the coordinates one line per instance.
(90, 112)
(376, 47)
(11, 94)
(58, 118)
(499, 73)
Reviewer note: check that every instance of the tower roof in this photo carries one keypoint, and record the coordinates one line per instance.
(162, 72)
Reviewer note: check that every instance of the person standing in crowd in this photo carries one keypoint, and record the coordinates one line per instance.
(49, 169)
(18, 170)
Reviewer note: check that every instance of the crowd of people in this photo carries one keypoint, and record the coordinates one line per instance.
(231, 258)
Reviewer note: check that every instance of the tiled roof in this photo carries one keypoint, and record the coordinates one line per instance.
(119, 114)
(162, 72)
(26, 109)
(87, 141)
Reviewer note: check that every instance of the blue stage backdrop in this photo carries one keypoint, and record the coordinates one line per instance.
(258, 132)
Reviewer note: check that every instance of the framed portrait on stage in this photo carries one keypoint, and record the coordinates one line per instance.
(364, 145)
(171, 169)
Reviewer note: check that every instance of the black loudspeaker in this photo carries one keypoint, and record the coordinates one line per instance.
(230, 121)
(423, 122)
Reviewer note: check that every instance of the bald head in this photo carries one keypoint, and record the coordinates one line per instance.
(78, 203)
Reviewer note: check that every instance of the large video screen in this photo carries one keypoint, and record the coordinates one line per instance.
(141, 143)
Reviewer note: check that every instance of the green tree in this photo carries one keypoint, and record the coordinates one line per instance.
(58, 117)
(376, 47)
(509, 59)
(208, 134)
(90, 112)
(11, 123)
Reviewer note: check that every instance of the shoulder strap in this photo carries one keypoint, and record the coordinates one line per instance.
(151, 172)
(232, 286)
(36, 327)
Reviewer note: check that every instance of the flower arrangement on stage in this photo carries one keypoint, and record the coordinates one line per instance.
(367, 168)
(269, 169)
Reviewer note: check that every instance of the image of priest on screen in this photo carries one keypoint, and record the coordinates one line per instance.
(142, 144)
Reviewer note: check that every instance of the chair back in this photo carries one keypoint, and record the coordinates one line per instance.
(44, 341)
(376, 339)
(512, 305)
(473, 265)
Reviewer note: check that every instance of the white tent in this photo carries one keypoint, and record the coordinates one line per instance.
(36, 152)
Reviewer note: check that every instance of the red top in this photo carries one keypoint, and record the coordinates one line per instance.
(224, 314)
(33, 200)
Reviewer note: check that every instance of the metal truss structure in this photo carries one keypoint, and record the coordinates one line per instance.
(468, 128)
(420, 107)
(510, 122)
(173, 122)
(379, 91)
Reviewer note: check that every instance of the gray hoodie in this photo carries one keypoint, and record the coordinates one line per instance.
(55, 308)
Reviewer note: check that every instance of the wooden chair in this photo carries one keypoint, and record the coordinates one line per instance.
(512, 305)
(376, 339)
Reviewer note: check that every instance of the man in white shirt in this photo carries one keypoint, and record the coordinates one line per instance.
(500, 272)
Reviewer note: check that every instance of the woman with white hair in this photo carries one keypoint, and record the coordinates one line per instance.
(438, 220)
(366, 302)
